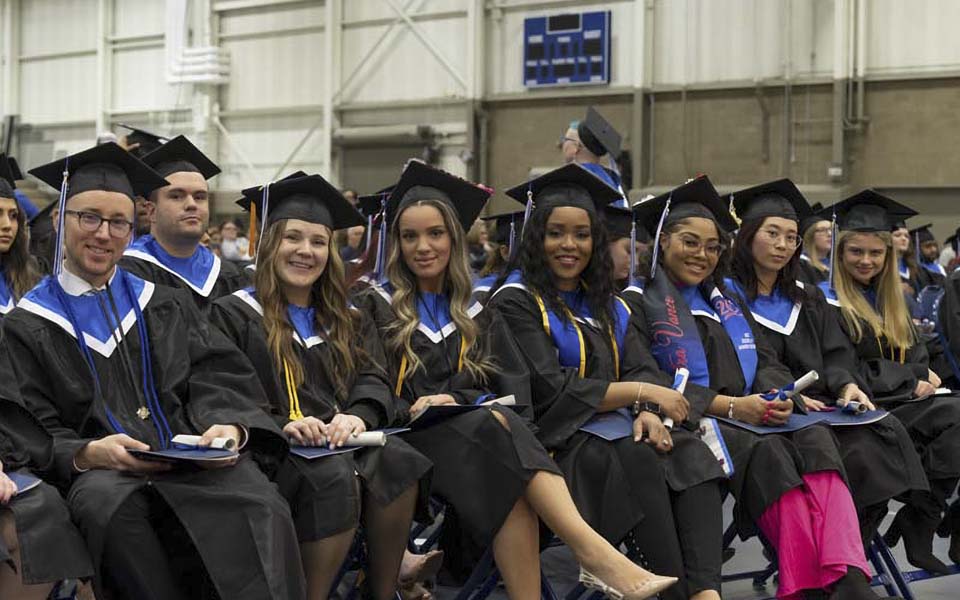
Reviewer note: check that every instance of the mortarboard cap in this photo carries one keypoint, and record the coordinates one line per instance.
(179, 155)
(146, 141)
(106, 167)
(15, 169)
(570, 185)
(310, 198)
(420, 181)
(369, 205)
(695, 198)
(779, 198)
(7, 179)
(922, 234)
(952, 240)
(503, 222)
(816, 215)
(598, 135)
(617, 221)
(869, 211)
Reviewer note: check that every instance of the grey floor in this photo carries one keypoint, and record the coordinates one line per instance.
(561, 570)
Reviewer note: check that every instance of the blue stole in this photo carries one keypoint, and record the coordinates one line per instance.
(564, 332)
(675, 339)
(775, 312)
(934, 267)
(303, 320)
(434, 311)
(903, 269)
(483, 284)
(6, 296)
(199, 271)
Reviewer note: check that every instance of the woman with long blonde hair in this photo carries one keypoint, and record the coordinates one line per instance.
(894, 362)
(319, 360)
(445, 349)
(817, 234)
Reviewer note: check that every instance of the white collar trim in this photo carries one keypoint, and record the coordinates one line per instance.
(207, 285)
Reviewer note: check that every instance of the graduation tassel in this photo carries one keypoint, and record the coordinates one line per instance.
(916, 248)
(61, 222)
(833, 245)
(378, 266)
(656, 237)
(252, 230)
(632, 277)
(366, 245)
(263, 218)
(527, 210)
(512, 245)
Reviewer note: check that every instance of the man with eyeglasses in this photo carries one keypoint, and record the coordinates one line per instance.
(171, 255)
(109, 364)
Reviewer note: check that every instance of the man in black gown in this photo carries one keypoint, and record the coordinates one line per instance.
(108, 362)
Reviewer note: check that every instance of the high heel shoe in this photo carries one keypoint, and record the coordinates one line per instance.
(917, 532)
(950, 527)
(651, 587)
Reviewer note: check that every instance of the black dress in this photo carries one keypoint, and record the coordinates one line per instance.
(213, 279)
(310, 485)
(612, 483)
(765, 466)
(51, 548)
(880, 460)
(480, 467)
(239, 523)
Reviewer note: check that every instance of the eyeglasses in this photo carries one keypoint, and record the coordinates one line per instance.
(821, 230)
(91, 222)
(693, 246)
(772, 237)
(564, 139)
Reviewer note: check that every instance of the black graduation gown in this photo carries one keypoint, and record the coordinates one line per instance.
(238, 521)
(765, 466)
(51, 548)
(386, 472)
(879, 458)
(480, 467)
(230, 279)
(603, 476)
(809, 274)
(948, 316)
(934, 423)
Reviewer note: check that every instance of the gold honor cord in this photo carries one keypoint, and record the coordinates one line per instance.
(401, 375)
(295, 414)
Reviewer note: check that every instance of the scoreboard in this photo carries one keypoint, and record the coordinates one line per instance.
(569, 49)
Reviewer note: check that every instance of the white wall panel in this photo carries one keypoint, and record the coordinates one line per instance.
(404, 69)
(48, 26)
(58, 90)
(140, 82)
(266, 142)
(362, 10)
(906, 36)
(138, 17)
(260, 20)
(275, 71)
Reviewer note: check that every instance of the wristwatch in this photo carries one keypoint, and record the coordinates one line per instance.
(650, 407)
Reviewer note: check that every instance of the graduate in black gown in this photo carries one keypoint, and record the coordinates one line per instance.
(171, 254)
(18, 270)
(789, 486)
(586, 361)
(927, 252)
(894, 362)
(39, 544)
(444, 348)
(319, 359)
(109, 362)
(816, 231)
(803, 331)
(505, 237)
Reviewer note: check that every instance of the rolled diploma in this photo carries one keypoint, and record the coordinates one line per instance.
(220, 443)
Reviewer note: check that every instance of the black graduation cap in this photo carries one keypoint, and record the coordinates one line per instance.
(617, 221)
(869, 211)
(696, 198)
(15, 168)
(779, 198)
(106, 167)
(258, 189)
(503, 222)
(952, 240)
(148, 141)
(310, 198)
(369, 205)
(570, 185)
(7, 178)
(815, 216)
(922, 234)
(598, 135)
(180, 155)
(420, 181)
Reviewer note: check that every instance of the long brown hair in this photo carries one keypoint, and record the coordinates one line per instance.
(458, 287)
(891, 317)
(18, 265)
(335, 321)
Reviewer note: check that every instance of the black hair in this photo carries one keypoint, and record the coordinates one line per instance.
(715, 279)
(743, 270)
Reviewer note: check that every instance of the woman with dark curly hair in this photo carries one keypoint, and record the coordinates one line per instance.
(443, 348)
(18, 270)
(790, 486)
(587, 366)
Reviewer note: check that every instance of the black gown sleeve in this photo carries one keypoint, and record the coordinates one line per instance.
(771, 373)
(949, 314)
(562, 401)
(839, 357)
(23, 440)
(370, 397)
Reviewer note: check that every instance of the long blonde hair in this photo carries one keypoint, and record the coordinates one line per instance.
(458, 287)
(891, 317)
(334, 319)
(810, 247)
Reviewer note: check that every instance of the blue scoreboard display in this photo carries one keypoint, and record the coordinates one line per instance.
(571, 49)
